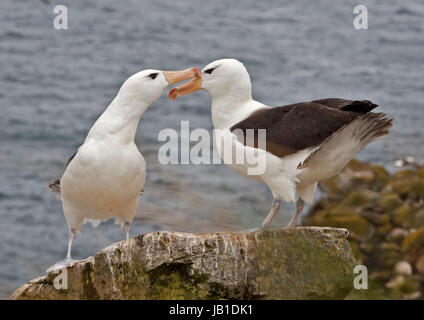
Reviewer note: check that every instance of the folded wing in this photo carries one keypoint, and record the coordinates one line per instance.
(295, 127)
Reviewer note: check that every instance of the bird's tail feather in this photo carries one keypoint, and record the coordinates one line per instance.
(373, 127)
(349, 140)
(55, 186)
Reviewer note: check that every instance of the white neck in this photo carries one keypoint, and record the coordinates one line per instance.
(227, 111)
(120, 120)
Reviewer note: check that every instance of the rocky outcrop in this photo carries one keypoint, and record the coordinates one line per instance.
(384, 214)
(301, 263)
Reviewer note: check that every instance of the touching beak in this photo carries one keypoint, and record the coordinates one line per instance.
(186, 88)
(181, 75)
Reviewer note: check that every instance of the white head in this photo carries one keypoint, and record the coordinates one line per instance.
(136, 94)
(146, 86)
(221, 78)
(228, 83)
(227, 77)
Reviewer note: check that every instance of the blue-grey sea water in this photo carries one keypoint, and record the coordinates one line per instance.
(55, 83)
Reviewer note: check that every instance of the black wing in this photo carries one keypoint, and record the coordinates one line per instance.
(295, 127)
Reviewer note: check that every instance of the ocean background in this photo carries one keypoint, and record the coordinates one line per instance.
(55, 83)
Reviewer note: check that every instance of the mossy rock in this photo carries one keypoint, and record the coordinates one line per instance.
(410, 285)
(356, 252)
(403, 216)
(358, 227)
(417, 188)
(402, 285)
(331, 188)
(408, 188)
(381, 276)
(418, 218)
(364, 170)
(397, 235)
(393, 207)
(382, 175)
(357, 175)
(299, 263)
(384, 256)
(389, 201)
(366, 173)
(376, 218)
(385, 228)
(420, 172)
(414, 241)
(375, 291)
(400, 187)
(404, 174)
(360, 198)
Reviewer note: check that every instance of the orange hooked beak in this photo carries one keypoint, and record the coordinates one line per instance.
(186, 88)
(181, 75)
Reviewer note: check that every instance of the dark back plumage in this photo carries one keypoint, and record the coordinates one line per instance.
(298, 126)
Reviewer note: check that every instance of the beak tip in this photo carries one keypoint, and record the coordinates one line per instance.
(197, 72)
(172, 94)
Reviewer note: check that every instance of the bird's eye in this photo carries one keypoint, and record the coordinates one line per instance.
(153, 75)
(210, 70)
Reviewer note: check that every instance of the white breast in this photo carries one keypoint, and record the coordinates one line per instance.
(280, 174)
(104, 180)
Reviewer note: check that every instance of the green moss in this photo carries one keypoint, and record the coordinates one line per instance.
(417, 188)
(413, 241)
(418, 218)
(175, 282)
(389, 201)
(384, 229)
(359, 198)
(319, 265)
(420, 172)
(89, 290)
(382, 175)
(401, 187)
(398, 204)
(330, 186)
(375, 291)
(402, 216)
(401, 285)
(410, 285)
(384, 256)
(376, 218)
(356, 251)
(357, 165)
(357, 225)
(412, 187)
(404, 174)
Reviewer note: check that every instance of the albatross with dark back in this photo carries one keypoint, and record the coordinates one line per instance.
(306, 142)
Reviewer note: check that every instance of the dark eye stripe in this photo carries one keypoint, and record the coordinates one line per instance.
(209, 71)
(153, 75)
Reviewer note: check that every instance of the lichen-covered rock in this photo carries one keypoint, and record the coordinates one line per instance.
(420, 265)
(389, 201)
(356, 176)
(301, 263)
(358, 227)
(384, 214)
(413, 245)
(403, 216)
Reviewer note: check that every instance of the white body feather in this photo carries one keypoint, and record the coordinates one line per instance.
(105, 178)
(103, 181)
